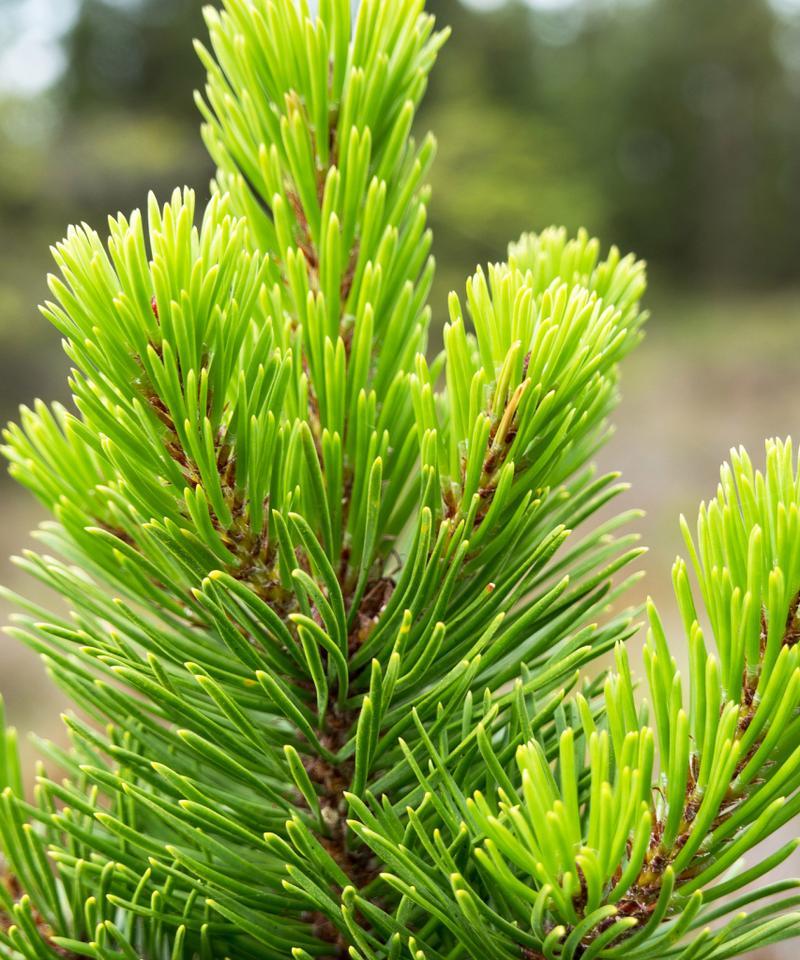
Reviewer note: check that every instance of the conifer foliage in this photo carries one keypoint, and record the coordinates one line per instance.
(330, 608)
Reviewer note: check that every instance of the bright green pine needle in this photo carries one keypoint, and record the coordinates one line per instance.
(329, 618)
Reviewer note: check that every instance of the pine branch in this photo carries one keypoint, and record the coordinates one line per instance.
(573, 845)
(328, 599)
(226, 657)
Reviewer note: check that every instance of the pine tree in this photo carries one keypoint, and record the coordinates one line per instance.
(333, 611)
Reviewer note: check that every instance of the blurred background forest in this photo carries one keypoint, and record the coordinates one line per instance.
(671, 127)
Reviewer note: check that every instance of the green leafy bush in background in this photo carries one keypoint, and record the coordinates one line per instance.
(331, 603)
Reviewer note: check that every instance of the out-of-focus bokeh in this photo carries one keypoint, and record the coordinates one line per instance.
(670, 127)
